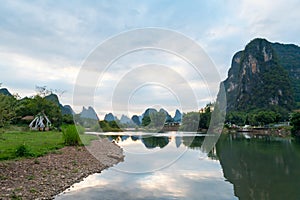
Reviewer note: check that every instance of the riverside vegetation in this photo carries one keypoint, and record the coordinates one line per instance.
(14, 144)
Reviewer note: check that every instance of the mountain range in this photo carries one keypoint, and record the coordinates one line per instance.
(138, 119)
(264, 75)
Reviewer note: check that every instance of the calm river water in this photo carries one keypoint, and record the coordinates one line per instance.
(172, 166)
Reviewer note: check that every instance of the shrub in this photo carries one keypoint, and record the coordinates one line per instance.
(70, 135)
(23, 151)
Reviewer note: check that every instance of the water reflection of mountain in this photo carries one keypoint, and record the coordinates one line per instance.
(193, 142)
(261, 170)
(135, 138)
(178, 141)
(151, 142)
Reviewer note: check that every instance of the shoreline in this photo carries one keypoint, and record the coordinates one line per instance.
(48, 176)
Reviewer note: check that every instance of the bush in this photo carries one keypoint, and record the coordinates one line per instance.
(70, 135)
(23, 151)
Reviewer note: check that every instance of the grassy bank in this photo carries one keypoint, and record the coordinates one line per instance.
(33, 143)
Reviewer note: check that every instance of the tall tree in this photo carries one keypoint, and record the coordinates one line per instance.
(7, 109)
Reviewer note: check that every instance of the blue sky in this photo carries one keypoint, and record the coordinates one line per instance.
(46, 42)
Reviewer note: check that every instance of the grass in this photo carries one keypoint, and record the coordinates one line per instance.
(36, 143)
(70, 135)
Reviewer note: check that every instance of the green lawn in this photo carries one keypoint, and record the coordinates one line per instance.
(38, 143)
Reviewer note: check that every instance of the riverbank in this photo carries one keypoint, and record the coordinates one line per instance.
(46, 176)
(261, 131)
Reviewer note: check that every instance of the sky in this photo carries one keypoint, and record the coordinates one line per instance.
(48, 43)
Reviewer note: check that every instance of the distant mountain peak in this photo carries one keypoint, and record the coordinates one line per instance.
(177, 116)
(5, 92)
(65, 109)
(89, 113)
(109, 117)
(125, 120)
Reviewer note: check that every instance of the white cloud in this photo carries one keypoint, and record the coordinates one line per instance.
(46, 42)
(25, 67)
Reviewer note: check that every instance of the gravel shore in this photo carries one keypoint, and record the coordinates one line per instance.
(47, 176)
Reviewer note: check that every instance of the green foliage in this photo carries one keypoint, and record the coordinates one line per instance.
(190, 121)
(205, 119)
(113, 124)
(289, 58)
(67, 119)
(32, 106)
(70, 135)
(105, 126)
(7, 110)
(154, 120)
(23, 151)
(257, 117)
(266, 117)
(193, 121)
(295, 122)
(146, 120)
(237, 118)
(157, 119)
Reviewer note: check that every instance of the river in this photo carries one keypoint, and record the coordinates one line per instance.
(173, 166)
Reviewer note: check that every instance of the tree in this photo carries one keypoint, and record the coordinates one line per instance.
(113, 124)
(264, 117)
(44, 91)
(295, 122)
(157, 119)
(105, 126)
(205, 119)
(235, 117)
(154, 120)
(190, 121)
(7, 110)
(37, 104)
(146, 120)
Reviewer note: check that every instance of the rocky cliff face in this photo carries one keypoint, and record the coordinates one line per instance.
(289, 58)
(257, 79)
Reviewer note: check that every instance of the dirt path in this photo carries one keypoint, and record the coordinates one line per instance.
(47, 176)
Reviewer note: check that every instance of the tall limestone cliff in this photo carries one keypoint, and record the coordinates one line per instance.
(289, 58)
(260, 78)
